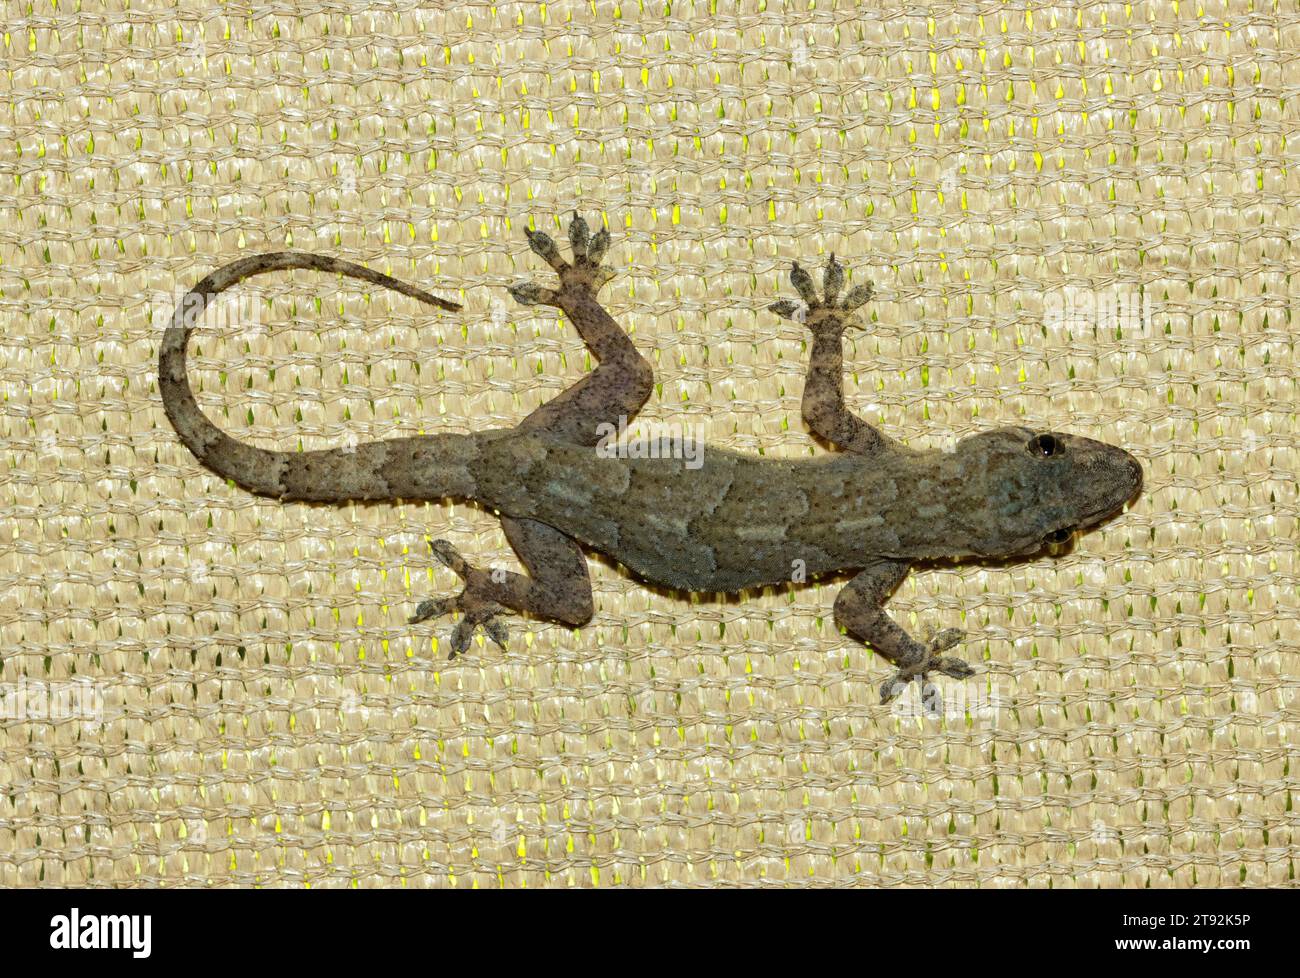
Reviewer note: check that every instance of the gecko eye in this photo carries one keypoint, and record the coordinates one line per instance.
(1058, 537)
(1045, 446)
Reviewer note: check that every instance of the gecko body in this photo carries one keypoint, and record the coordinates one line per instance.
(723, 522)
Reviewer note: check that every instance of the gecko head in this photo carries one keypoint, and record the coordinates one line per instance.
(1037, 489)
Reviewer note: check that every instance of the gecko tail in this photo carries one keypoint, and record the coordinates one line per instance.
(369, 471)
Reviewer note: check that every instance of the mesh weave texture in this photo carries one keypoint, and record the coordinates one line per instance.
(1078, 217)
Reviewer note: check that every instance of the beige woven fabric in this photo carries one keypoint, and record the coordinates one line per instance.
(1077, 217)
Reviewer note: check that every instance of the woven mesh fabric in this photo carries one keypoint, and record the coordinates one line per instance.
(1077, 217)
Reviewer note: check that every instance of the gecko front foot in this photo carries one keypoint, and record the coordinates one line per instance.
(475, 609)
(828, 311)
(928, 660)
(584, 276)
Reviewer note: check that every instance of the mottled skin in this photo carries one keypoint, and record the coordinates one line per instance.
(734, 522)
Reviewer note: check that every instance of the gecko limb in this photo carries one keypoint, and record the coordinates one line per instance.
(557, 585)
(827, 316)
(621, 383)
(860, 610)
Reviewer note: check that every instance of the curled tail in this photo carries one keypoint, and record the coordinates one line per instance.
(424, 467)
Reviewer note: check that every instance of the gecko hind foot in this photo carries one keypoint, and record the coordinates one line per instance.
(584, 274)
(828, 309)
(475, 609)
(930, 660)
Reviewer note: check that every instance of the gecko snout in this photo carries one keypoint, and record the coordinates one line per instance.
(1128, 479)
(1107, 479)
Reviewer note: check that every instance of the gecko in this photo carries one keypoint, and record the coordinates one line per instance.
(726, 522)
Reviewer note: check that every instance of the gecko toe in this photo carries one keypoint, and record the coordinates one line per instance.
(579, 235)
(532, 294)
(460, 637)
(832, 280)
(788, 309)
(597, 247)
(544, 247)
(497, 631)
(803, 284)
(430, 608)
(954, 668)
(858, 297)
(892, 687)
(945, 640)
(450, 557)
